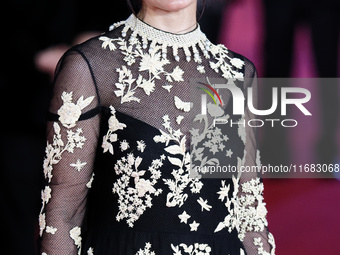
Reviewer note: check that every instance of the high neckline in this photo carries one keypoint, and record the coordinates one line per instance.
(143, 29)
(150, 36)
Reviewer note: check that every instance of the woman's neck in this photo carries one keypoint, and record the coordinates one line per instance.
(177, 22)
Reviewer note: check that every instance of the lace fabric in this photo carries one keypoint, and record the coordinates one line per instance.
(122, 118)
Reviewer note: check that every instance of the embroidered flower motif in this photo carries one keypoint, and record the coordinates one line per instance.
(238, 63)
(243, 214)
(46, 194)
(110, 136)
(75, 235)
(141, 145)
(146, 250)
(134, 200)
(51, 230)
(195, 249)
(124, 145)
(90, 251)
(69, 112)
(147, 86)
(153, 63)
(176, 75)
(220, 53)
(260, 250)
(53, 156)
(42, 223)
(201, 69)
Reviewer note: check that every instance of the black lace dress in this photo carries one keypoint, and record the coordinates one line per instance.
(126, 129)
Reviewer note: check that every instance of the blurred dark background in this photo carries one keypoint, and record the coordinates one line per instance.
(284, 38)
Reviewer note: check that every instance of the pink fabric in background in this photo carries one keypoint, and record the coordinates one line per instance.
(304, 214)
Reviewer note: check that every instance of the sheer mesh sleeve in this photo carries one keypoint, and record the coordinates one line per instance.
(72, 135)
(253, 226)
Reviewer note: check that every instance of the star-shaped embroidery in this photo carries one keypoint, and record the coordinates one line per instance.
(229, 153)
(194, 226)
(184, 217)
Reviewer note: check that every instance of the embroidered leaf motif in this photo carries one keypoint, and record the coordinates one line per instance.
(175, 161)
(107, 42)
(174, 149)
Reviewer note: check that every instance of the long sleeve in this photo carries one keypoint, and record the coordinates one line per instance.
(72, 137)
(251, 207)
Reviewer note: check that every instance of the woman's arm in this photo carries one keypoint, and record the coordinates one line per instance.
(72, 137)
(252, 211)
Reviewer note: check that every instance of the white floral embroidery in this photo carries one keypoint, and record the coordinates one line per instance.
(45, 197)
(141, 145)
(195, 249)
(258, 242)
(42, 223)
(110, 136)
(243, 214)
(90, 251)
(75, 235)
(57, 148)
(133, 201)
(51, 230)
(238, 63)
(69, 112)
(124, 145)
(107, 42)
(181, 179)
(211, 138)
(220, 53)
(152, 62)
(201, 69)
(53, 156)
(146, 250)
(46, 194)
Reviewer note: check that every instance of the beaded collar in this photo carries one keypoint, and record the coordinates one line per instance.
(190, 42)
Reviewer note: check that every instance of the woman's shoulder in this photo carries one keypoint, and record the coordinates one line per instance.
(96, 46)
(231, 63)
